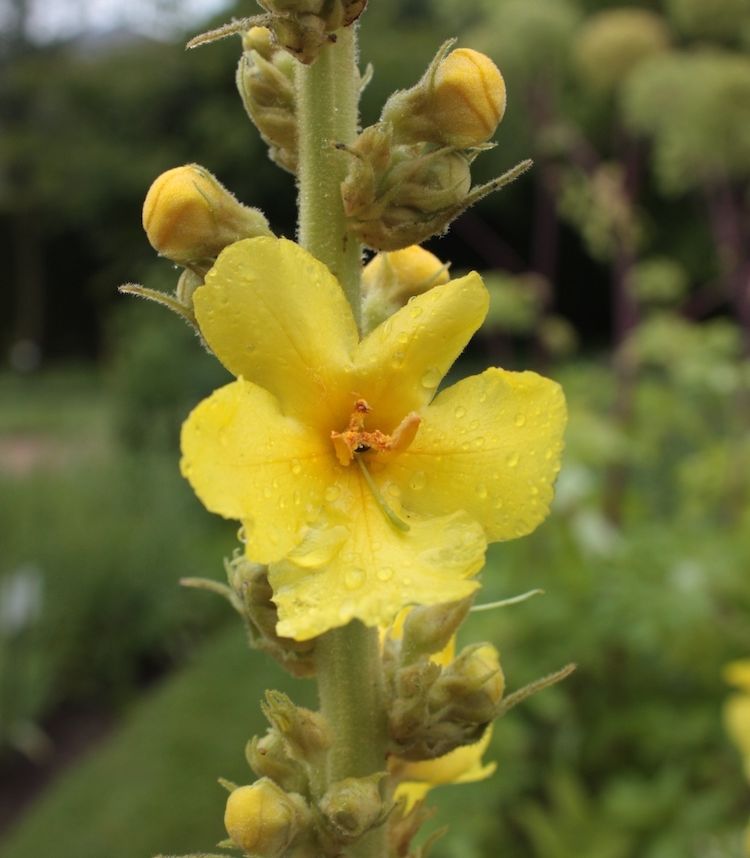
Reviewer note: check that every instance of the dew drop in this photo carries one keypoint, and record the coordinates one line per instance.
(479, 442)
(431, 378)
(512, 460)
(332, 493)
(520, 419)
(354, 578)
(460, 412)
(418, 481)
(403, 338)
(416, 312)
(385, 574)
(481, 490)
(296, 467)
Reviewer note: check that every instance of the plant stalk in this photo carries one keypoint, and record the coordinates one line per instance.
(349, 671)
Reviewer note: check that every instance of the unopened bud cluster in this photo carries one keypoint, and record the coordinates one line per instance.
(249, 583)
(284, 813)
(303, 27)
(265, 80)
(437, 707)
(409, 175)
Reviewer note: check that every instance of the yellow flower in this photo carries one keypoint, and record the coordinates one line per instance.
(461, 766)
(737, 709)
(362, 490)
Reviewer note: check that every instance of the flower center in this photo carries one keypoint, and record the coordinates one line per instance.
(356, 439)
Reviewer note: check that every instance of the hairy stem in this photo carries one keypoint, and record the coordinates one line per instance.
(349, 672)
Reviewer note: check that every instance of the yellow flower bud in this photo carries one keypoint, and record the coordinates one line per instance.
(459, 102)
(483, 668)
(468, 98)
(403, 273)
(262, 819)
(190, 217)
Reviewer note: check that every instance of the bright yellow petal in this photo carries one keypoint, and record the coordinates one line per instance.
(489, 445)
(276, 316)
(356, 564)
(247, 461)
(737, 673)
(401, 363)
(460, 766)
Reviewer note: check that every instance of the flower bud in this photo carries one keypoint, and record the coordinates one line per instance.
(390, 279)
(470, 689)
(265, 80)
(303, 27)
(352, 806)
(305, 733)
(459, 102)
(190, 217)
(268, 758)
(262, 819)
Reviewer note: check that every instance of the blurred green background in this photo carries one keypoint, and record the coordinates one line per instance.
(620, 265)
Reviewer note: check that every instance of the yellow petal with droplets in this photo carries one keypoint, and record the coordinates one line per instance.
(247, 461)
(277, 317)
(401, 363)
(354, 564)
(489, 445)
(460, 766)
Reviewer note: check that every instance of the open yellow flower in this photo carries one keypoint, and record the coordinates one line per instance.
(362, 490)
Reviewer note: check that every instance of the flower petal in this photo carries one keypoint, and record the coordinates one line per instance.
(247, 461)
(460, 766)
(360, 566)
(276, 316)
(401, 363)
(489, 445)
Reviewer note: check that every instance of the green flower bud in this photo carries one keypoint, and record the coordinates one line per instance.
(471, 687)
(398, 195)
(267, 757)
(351, 807)
(263, 820)
(302, 27)
(265, 80)
(190, 217)
(305, 733)
(459, 102)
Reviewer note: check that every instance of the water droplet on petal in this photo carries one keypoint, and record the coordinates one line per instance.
(460, 412)
(520, 419)
(354, 578)
(385, 574)
(418, 481)
(296, 467)
(431, 379)
(332, 493)
(512, 460)
(481, 490)
(416, 312)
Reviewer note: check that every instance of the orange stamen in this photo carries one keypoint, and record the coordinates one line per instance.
(356, 439)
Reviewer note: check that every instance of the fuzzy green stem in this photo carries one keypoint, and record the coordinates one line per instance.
(350, 685)
(327, 111)
(348, 664)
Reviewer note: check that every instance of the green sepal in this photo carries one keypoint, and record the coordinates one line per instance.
(168, 301)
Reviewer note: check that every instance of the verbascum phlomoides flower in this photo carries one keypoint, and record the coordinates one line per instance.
(360, 488)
